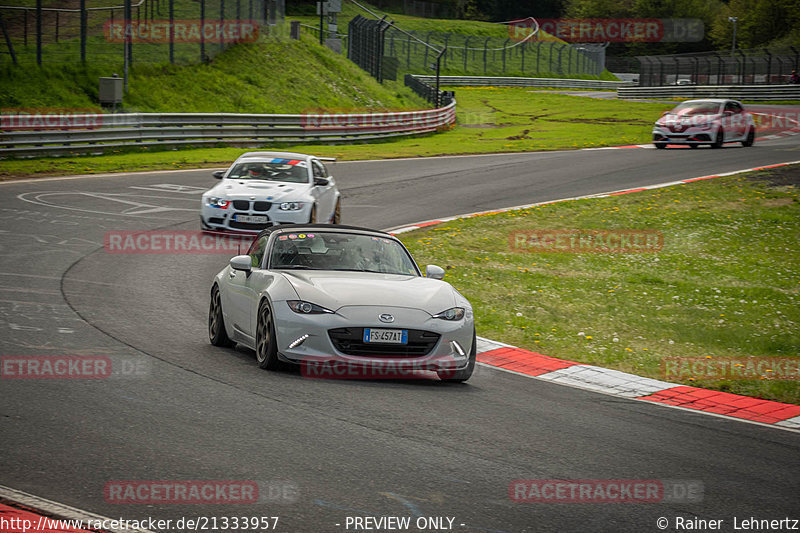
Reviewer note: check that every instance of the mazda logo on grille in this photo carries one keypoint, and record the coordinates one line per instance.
(386, 317)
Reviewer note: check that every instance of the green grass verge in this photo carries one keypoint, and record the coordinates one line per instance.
(490, 120)
(273, 75)
(725, 284)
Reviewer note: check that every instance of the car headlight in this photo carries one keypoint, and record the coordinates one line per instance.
(307, 308)
(220, 203)
(291, 206)
(452, 314)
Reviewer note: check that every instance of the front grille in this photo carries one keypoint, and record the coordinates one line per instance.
(350, 341)
(261, 206)
(246, 225)
(216, 220)
(241, 205)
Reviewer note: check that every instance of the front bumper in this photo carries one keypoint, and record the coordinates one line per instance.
(322, 338)
(216, 219)
(690, 135)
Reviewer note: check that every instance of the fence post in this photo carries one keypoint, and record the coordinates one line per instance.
(408, 52)
(522, 53)
(485, 47)
(126, 42)
(172, 32)
(84, 23)
(428, 42)
(39, 32)
(505, 43)
(7, 38)
(203, 33)
(438, 64)
(221, 22)
(466, 51)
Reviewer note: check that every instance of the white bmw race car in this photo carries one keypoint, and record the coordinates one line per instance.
(263, 189)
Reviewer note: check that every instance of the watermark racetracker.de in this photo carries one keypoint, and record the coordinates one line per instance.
(77, 367)
(386, 368)
(181, 31)
(731, 368)
(606, 491)
(217, 492)
(174, 242)
(603, 30)
(50, 118)
(625, 241)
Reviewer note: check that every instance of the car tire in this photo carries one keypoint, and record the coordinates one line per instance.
(719, 139)
(460, 376)
(337, 212)
(660, 146)
(312, 218)
(692, 146)
(750, 139)
(266, 345)
(216, 321)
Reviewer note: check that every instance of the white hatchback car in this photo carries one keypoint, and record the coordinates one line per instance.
(263, 189)
(712, 121)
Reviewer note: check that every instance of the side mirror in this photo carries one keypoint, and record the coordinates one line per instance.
(434, 272)
(241, 262)
(321, 182)
(218, 174)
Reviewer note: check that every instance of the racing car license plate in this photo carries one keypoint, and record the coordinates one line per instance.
(252, 219)
(386, 336)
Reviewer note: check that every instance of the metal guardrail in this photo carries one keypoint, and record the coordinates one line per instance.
(491, 81)
(738, 92)
(35, 135)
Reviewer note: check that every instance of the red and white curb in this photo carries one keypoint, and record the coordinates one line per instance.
(616, 383)
(18, 507)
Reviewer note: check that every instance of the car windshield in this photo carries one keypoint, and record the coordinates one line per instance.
(327, 250)
(696, 108)
(287, 170)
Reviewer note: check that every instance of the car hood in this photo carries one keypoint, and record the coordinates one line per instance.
(261, 190)
(337, 289)
(672, 119)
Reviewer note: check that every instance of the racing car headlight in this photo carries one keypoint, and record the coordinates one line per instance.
(307, 308)
(220, 203)
(452, 314)
(291, 206)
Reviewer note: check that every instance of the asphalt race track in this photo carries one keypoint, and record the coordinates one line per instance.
(335, 448)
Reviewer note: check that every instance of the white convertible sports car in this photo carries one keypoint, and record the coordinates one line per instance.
(317, 294)
(262, 189)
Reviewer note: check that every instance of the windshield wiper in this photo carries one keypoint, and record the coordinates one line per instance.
(367, 270)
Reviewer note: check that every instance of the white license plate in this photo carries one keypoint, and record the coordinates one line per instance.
(252, 219)
(386, 336)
